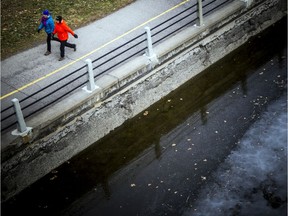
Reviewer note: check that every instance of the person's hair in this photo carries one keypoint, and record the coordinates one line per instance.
(59, 18)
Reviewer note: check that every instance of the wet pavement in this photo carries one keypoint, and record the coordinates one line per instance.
(165, 160)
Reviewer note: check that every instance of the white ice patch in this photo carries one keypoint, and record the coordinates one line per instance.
(252, 180)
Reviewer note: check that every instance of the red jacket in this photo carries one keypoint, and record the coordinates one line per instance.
(62, 29)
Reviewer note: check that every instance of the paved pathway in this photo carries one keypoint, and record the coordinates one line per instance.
(28, 72)
(17, 72)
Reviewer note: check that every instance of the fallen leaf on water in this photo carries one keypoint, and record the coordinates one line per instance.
(54, 177)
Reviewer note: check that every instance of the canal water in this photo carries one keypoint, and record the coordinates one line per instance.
(215, 146)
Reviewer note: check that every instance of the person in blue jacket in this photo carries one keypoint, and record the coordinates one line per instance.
(48, 24)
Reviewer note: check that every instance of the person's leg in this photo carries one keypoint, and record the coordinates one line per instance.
(54, 38)
(62, 50)
(48, 44)
(71, 45)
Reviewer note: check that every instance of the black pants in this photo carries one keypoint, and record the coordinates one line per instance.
(49, 42)
(62, 47)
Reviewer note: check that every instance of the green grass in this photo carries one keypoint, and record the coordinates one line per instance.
(21, 18)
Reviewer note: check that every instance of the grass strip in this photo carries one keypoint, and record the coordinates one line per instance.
(20, 19)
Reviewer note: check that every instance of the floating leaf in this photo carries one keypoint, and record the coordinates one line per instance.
(53, 178)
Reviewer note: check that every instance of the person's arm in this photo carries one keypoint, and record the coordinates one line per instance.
(55, 30)
(71, 31)
(68, 29)
(52, 26)
(40, 27)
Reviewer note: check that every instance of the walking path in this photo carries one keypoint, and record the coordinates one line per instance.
(27, 71)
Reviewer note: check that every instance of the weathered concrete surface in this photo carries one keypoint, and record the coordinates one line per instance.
(197, 49)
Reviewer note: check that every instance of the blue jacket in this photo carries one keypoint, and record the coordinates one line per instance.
(49, 28)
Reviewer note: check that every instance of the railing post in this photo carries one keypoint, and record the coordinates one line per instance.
(22, 129)
(91, 82)
(153, 60)
(149, 41)
(200, 13)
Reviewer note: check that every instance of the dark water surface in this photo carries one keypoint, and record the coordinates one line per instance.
(215, 146)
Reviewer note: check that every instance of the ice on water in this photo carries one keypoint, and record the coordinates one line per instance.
(253, 179)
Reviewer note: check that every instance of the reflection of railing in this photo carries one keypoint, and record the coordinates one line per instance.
(134, 47)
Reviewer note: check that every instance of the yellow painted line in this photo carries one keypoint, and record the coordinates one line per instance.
(99, 48)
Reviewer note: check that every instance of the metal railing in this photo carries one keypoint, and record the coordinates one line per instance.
(136, 46)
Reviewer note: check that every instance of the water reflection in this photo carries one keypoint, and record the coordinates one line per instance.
(157, 149)
(203, 111)
(244, 84)
(106, 188)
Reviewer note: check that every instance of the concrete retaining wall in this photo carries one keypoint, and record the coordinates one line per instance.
(80, 120)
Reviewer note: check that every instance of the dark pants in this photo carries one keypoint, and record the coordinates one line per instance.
(49, 42)
(62, 47)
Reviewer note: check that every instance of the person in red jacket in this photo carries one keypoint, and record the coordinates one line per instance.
(62, 30)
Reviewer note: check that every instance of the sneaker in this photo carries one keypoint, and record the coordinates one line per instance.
(75, 48)
(61, 58)
(47, 53)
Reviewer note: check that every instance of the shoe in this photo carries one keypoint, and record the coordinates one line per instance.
(61, 58)
(75, 48)
(47, 53)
